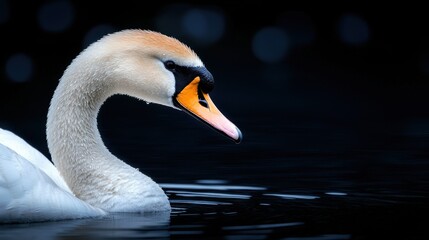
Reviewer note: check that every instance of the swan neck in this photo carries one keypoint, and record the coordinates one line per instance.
(72, 133)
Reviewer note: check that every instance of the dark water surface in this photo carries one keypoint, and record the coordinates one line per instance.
(216, 209)
(312, 182)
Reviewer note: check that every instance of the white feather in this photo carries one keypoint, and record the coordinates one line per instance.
(29, 194)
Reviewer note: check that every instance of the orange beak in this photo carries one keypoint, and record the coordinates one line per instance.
(198, 104)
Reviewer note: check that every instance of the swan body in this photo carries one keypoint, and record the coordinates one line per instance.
(85, 179)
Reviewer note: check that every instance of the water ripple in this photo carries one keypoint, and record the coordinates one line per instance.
(212, 181)
(263, 226)
(209, 187)
(291, 196)
(336, 193)
(200, 202)
(209, 195)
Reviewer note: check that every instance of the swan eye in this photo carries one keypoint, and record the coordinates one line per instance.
(170, 65)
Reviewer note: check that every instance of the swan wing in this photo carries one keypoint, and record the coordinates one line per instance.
(22, 148)
(28, 194)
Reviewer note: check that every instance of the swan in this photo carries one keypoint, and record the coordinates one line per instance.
(84, 178)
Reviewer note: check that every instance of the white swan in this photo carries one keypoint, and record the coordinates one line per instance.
(87, 180)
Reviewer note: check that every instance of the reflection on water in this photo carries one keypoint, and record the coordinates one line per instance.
(291, 196)
(216, 209)
(193, 207)
(209, 187)
(118, 225)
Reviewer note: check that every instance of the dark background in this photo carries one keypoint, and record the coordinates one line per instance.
(351, 87)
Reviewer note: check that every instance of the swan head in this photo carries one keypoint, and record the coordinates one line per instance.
(160, 69)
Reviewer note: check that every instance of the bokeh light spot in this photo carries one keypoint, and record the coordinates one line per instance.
(204, 26)
(270, 44)
(96, 33)
(353, 30)
(56, 16)
(4, 11)
(19, 68)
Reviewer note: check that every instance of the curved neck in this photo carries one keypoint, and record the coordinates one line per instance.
(73, 138)
(77, 150)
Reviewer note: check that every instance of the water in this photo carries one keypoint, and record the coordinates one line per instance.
(216, 209)
(289, 179)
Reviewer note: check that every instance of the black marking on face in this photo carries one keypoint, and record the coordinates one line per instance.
(184, 75)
